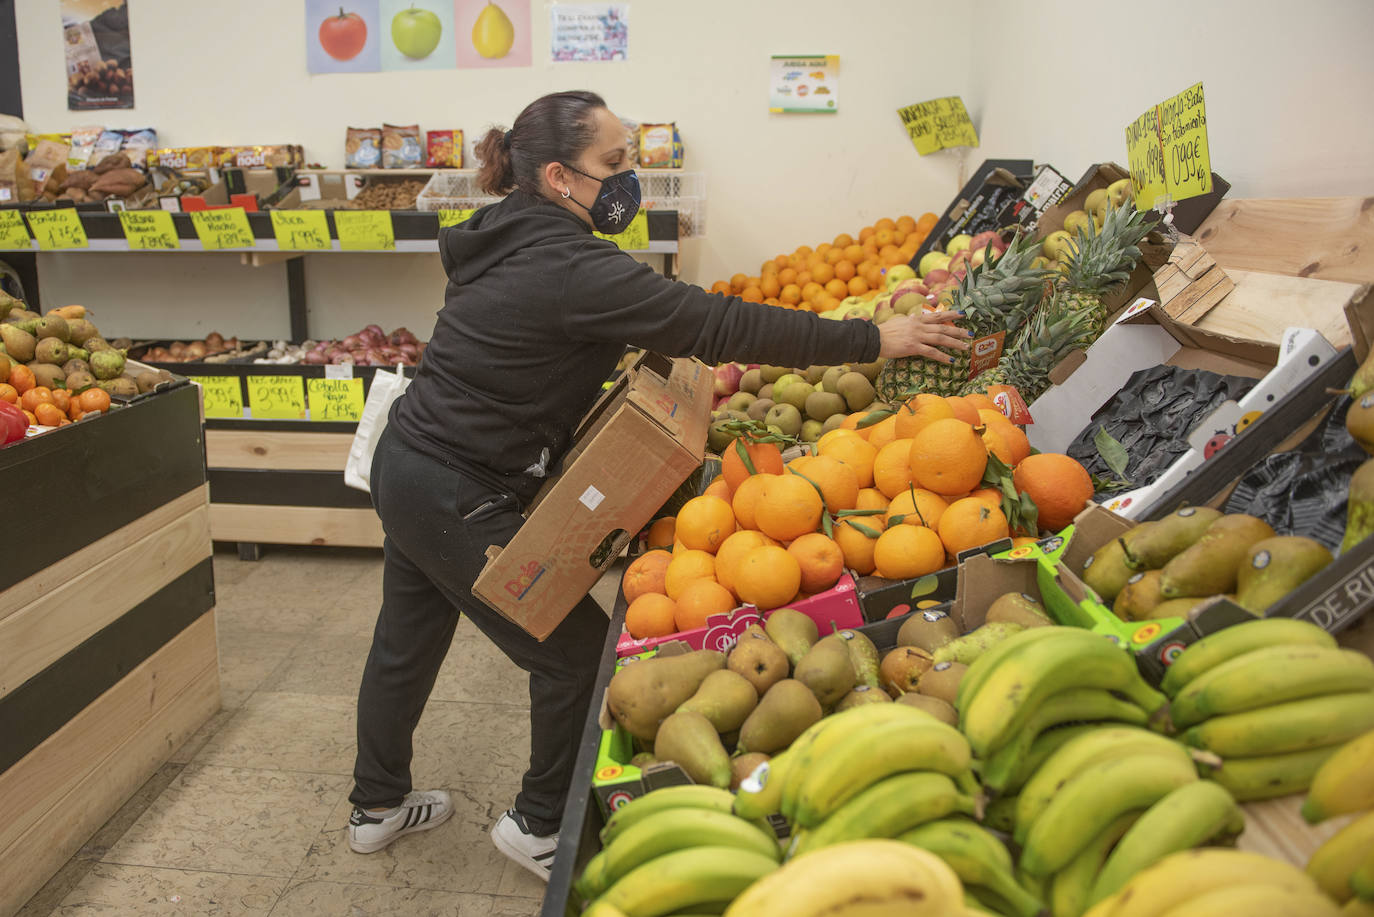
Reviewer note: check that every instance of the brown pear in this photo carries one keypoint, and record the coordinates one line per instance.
(643, 694)
(689, 740)
(929, 630)
(758, 659)
(942, 680)
(1018, 608)
(784, 713)
(941, 710)
(828, 670)
(726, 698)
(860, 695)
(902, 669)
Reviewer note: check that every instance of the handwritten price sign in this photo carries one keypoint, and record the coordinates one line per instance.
(365, 230)
(219, 229)
(336, 399)
(635, 238)
(12, 231)
(1167, 150)
(149, 230)
(277, 397)
(300, 230)
(221, 394)
(57, 229)
(454, 217)
(938, 124)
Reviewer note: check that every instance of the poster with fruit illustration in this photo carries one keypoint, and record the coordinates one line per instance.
(343, 38)
(419, 35)
(100, 71)
(492, 34)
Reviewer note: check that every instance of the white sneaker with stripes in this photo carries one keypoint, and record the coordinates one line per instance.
(369, 832)
(514, 838)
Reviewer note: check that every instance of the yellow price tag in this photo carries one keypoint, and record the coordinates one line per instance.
(635, 238)
(454, 217)
(219, 229)
(149, 230)
(336, 399)
(276, 397)
(365, 230)
(1167, 150)
(300, 230)
(938, 124)
(222, 395)
(12, 231)
(57, 229)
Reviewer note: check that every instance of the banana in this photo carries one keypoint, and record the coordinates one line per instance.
(977, 857)
(760, 794)
(668, 797)
(664, 832)
(1255, 901)
(687, 878)
(888, 808)
(1072, 705)
(1362, 879)
(870, 877)
(1333, 863)
(873, 754)
(1271, 676)
(1074, 659)
(1045, 744)
(602, 909)
(1071, 888)
(1091, 801)
(1214, 649)
(1345, 783)
(1293, 726)
(1077, 755)
(991, 658)
(1357, 907)
(1191, 874)
(1268, 776)
(1000, 814)
(989, 902)
(1190, 816)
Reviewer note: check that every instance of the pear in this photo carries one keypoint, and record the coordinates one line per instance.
(794, 632)
(1175, 608)
(902, 669)
(53, 350)
(827, 670)
(758, 659)
(642, 694)
(1140, 596)
(860, 695)
(1168, 537)
(19, 344)
(725, 698)
(970, 646)
(688, 739)
(929, 630)
(1105, 572)
(1359, 421)
(49, 375)
(742, 766)
(80, 331)
(1018, 608)
(940, 709)
(1360, 383)
(1359, 508)
(784, 713)
(493, 34)
(1209, 566)
(53, 326)
(643, 759)
(1274, 567)
(863, 655)
(942, 681)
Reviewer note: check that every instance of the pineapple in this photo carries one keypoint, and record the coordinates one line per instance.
(995, 296)
(1036, 349)
(1099, 261)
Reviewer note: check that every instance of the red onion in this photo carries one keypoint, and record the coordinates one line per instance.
(352, 342)
(314, 357)
(340, 359)
(410, 350)
(376, 357)
(376, 330)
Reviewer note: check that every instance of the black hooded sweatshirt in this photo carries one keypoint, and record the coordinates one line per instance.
(537, 314)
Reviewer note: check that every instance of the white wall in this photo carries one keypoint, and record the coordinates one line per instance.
(1287, 88)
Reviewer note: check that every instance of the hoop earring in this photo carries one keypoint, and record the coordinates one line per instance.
(567, 193)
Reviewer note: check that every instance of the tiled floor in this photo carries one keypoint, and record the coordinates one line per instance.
(248, 817)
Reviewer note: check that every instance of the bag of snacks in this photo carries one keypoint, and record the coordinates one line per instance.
(401, 147)
(9, 176)
(107, 144)
(660, 146)
(363, 148)
(138, 144)
(83, 145)
(445, 149)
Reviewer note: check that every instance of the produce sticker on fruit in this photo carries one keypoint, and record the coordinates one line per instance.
(95, 41)
(589, 32)
(804, 84)
(938, 125)
(1167, 150)
(149, 230)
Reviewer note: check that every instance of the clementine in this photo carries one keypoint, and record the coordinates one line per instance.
(1058, 485)
(820, 559)
(651, 615)
(645, 574)
(948, 457)
(768, 576)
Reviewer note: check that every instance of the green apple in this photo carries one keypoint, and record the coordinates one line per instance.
(781, 384)
(416, 32)
(898, 273)
(958, 244)
(935, 260)
(1119, 191)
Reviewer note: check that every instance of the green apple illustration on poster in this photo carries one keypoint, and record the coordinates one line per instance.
(419, 35)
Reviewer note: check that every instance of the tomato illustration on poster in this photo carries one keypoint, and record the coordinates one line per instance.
(343, 38)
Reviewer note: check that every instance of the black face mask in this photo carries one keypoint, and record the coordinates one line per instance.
(616, 203)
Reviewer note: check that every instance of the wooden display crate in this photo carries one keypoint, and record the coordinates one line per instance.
(108, 659)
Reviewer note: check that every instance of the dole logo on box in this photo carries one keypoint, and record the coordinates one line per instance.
(526, 576)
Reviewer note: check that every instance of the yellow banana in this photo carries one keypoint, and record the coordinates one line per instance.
(1268, 776)
(1045, 744)
(1185, 876)
(1271, 676)
(977, 857)
(1313, 722)
(1255, 901)
(1358, 907)
(887, 809)
(991, 658)
(1362, 879)
(689, 878)
(603, 909)
(668, 797)
(1214, 649)
(1345, 783)
(1333, 863)
(870, 877)
(1071, 887)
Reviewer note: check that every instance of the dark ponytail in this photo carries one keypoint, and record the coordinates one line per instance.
(554, 128)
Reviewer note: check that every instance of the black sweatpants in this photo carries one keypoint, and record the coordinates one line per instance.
(438, 525)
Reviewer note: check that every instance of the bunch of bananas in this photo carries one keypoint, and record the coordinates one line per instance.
(1273, 699)
(673, 850)
(1344, 865)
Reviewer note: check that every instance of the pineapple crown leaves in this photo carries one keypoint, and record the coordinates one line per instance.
(1099, 259)
(1001, 293)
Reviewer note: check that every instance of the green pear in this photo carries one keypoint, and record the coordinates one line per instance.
(970, 646)
(725, 698)
(758, 659)
(1105, 572)
(1018, 608)
(688, 739)
(863, 655)
(1274, 567)
(1209, 566)
(784, 713)
(942, 681)
(860, 695)
(827, 670)
(929, 629)
(793, 632)
(1359, 511)
(1141, 595)
(1153, 547)
(644, 693)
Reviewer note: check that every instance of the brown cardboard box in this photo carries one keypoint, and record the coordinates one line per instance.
(638, 443)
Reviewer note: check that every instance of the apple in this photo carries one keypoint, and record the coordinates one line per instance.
(897, 274)
(727, 378)
(981, 241)
(958, 244)
(415, 33)
(1120, 191)
(931, 261)
(1055, 243)
(960, 260)
(937, 277)
(1078, 219)
(783, 382)
(1096, 201)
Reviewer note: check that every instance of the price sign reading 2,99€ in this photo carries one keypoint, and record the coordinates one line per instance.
(301, 230)
(276, 397)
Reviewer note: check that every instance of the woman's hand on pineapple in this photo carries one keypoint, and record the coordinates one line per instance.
(921, 335)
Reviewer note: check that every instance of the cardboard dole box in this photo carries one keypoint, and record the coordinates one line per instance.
(640, 440)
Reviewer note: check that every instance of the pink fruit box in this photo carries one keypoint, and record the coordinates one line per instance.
(837, 608)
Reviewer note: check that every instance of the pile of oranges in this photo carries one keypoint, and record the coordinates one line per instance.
(900, 498)
(819, 279)
(50, 407)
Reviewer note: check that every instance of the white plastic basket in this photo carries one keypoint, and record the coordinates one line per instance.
(453, 191)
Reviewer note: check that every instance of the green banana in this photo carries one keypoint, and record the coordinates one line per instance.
(985, 664)
(1072, 705)
(1345, 783)
(1268, 776)
(1083, 752)
(1092, 800)
(1334, 862)
(875, 753)
(1072, 886)
(760, 794)
(1314, 722)
(1271, 676)
(668, 797)
(888, 808)
(988, 901)
(977, 857)
(1214, 649)
(687, 878)
(1075, 658)
(1000, 814)
(1190, 816)
(664, 832)
(1045, 744)
(1362, 879)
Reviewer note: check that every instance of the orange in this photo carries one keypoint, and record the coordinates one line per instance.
(837, 480)
(788, 507)
(996, 444)
(948, 457)
(751, 294)
(873, 276)
(704, 522)
(1058, 485)
(884, 237)
(982, 402)
(811, 291)
(49, 415)
(963, 410)
(1016, 441)
(738, 282)
(820, 559)
(906, 224)
(21, 378)
(700, 599)
(803, 251)
(803, 278)
(662, 532)
(732, 551)
(8, 393)
(834, 256)
(992, 495)
(39, 394)
(837, 288)
(791, 294)
(645, 574)
(885, 223)
(906, 552)
(765, 457)
(854, 253)
(780, 262)
(770, 286)
(857, 546)
(93, 400)
(970, 523)
(857, 453)
(927, 222)
(883, 432)
(857, 286)
(919, 412)
(33, 421)
(63, 399)
(890, 255)
(872, 498)
(916, 506)
(768, 576)
(845, 271)
(721, 286)
(651, 615)
(768, 267)
(892, 468)
(866, 233)
(746, 499)
(718, 488)
(1022, 541)
(823, 273)
(787, 275)
(843, 240)
(850, 425)
(686, 566)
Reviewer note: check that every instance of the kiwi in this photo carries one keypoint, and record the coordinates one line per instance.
(122, 386)
(79, 381)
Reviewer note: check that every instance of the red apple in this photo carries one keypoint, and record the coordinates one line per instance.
(936, 278)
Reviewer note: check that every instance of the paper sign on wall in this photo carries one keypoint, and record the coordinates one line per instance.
(12, 231)
(454, 217)
(226, 228)
(938, 124)
(1167, 150)
(365, 230)
(57, 229)
(300, 230)
(221, 395)
(276, 397)
(635, 238)
(336, 399)
(149, 230)
(802, 83)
